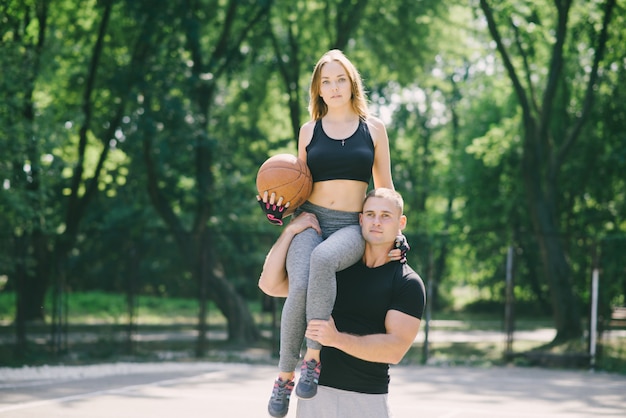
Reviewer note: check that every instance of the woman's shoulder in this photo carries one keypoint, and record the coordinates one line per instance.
(308, 126)
(377, 129)
(374, 123)
(306, 134)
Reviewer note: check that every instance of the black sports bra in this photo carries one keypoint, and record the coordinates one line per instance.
(351, 158)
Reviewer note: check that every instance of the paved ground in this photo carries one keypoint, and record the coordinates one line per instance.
(436, 335)
(205, 389)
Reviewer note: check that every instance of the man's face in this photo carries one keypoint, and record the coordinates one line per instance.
(381, 221)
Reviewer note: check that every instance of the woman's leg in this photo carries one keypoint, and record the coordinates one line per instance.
(338, 252)
(293, 319)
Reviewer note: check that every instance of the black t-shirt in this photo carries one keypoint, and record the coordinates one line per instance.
(364, 295)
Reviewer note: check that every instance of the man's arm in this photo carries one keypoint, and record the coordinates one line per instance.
(273, 280)
(380, 348)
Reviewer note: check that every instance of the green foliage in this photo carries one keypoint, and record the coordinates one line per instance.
(207, 103)
(7, 307)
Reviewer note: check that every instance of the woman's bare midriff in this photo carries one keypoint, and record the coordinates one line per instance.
(343, 195)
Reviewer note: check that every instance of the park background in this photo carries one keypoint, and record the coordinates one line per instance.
(131, 133)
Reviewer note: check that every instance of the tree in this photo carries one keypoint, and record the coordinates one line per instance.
(22, 41)
(546, 144)
(213, 48)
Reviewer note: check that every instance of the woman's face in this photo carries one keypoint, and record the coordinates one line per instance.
(335, 84)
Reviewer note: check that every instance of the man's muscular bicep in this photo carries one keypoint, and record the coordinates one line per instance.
(403, 327)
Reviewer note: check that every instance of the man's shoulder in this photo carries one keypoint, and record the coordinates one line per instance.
(410, 292)
(406, 271)
(408, 275)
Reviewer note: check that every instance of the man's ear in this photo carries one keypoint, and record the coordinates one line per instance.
(402, 222)
(361, 219)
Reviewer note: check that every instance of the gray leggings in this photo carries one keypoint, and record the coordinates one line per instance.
(312, 262)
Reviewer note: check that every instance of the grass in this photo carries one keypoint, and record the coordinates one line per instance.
(100, 320)
(99, 308)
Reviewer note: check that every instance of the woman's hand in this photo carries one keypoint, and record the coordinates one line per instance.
(400, 248)
(274, 209)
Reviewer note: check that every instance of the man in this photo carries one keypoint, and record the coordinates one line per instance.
(375, 318)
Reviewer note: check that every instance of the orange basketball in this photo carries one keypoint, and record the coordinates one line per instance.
(287, 176)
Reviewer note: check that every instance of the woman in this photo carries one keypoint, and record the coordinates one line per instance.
(345, 148)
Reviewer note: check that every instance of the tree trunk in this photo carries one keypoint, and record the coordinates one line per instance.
(539, 176)
(32, 278)
(554, 265)
(241, 325)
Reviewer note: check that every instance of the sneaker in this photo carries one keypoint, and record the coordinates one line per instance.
(309, 377)
(279, 401)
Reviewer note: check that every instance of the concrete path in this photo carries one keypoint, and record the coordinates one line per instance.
(189, 390)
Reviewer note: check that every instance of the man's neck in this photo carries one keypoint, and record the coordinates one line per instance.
(375, 256)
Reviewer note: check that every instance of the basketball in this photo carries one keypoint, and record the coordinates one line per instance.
(287, 176)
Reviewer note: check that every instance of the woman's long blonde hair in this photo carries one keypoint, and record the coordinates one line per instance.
(317, 107)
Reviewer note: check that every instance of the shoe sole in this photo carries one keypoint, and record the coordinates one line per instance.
(278, 416)
(305, 396)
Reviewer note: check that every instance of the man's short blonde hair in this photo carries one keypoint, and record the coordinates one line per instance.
(387, 194)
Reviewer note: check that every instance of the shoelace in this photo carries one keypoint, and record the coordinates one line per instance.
(309, 373)
(283, 390)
